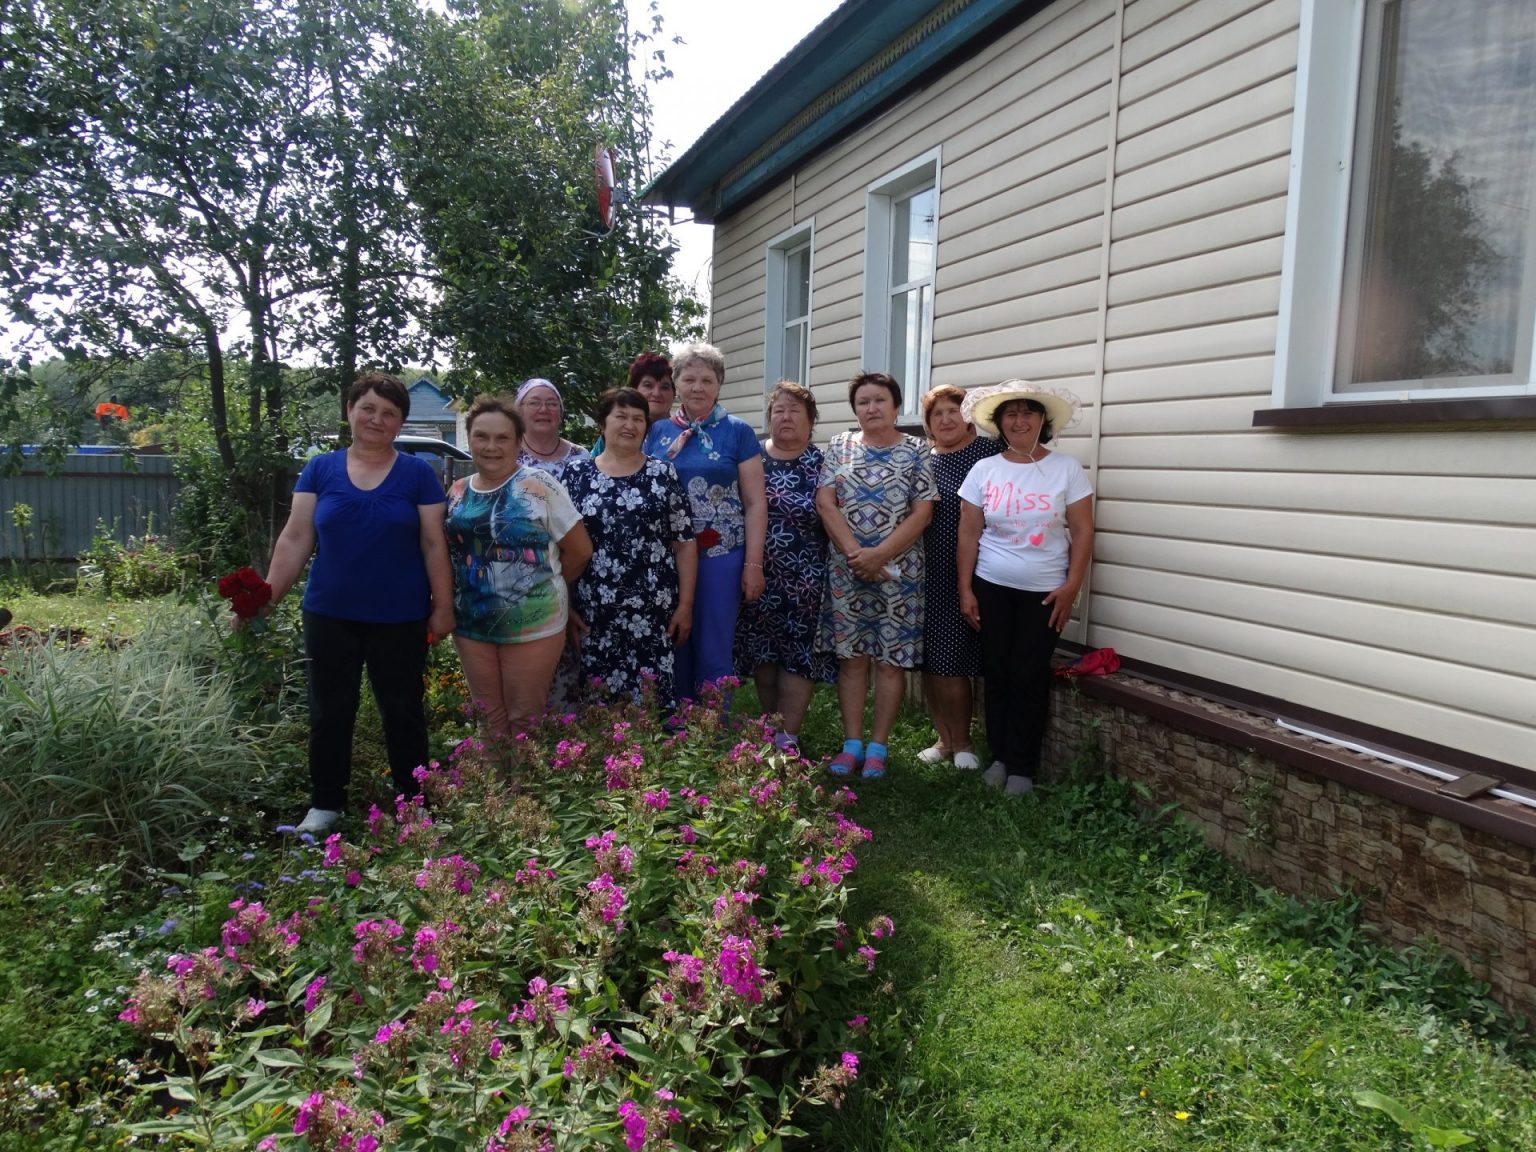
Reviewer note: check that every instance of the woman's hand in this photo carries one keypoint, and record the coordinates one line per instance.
(575, 630)
(752, 583)
(1061, 602)
(441, 623)
(970, 609)
(868, 564)
(681, 625)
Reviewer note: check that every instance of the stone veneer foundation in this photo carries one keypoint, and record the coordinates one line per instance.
(1310, 818)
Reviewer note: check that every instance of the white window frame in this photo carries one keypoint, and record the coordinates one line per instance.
(1312, 283)
(777, 253)
(922, 172)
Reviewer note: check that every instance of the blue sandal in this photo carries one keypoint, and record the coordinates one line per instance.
(874, 768)
(843, 764)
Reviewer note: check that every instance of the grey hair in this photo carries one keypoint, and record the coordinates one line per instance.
(705, 354)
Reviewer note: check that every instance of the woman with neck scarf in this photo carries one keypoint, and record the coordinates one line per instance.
(542, 410)
(720, 464)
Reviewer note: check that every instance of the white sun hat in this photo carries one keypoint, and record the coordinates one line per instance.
(981, 404)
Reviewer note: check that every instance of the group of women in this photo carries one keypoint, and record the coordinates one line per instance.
(680, 551)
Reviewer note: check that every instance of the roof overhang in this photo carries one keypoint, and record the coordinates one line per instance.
(853, 65)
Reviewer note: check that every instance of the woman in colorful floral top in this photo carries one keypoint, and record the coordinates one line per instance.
(720, 464)
(515, 541)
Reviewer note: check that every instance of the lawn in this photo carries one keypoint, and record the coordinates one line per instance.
(1069, 971)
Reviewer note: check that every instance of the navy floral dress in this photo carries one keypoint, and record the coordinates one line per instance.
(781, 627)
(629, 590)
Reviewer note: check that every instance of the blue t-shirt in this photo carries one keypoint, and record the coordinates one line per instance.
(709, 478)
(368, 564)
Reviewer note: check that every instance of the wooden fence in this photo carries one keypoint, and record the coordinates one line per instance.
(128, 495)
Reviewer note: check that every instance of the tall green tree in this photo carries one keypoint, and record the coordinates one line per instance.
(507, 102)
(196, 175)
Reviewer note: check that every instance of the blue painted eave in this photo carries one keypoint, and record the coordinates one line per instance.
(839, 46)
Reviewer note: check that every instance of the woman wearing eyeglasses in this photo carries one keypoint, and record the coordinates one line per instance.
(542, 410)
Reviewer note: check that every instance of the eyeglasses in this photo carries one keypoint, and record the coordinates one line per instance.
(542, 405)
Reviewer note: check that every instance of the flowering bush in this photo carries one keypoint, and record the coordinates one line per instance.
(638, 945)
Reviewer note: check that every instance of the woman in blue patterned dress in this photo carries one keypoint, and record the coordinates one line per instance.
(720, 464)
(515, 542)
(875, 498)
(634, 603)
(776, 636)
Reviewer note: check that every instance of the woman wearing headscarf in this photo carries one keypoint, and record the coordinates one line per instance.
(720, 464)
(543, 411)
(1026, 537)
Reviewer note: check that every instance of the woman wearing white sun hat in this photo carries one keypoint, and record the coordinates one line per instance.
(1026, 536)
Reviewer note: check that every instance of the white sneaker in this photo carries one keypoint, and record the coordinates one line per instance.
(1019, 785)
(967, 761)
(318, 820)
(933, 755)
(994, 776)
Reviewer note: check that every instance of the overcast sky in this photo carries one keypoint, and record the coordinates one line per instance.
(727, 48)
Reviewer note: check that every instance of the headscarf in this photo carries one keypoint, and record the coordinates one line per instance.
(539, 382)
(695, 428)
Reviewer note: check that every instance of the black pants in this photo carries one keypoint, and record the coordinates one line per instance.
(1016, 645)
(396, 658)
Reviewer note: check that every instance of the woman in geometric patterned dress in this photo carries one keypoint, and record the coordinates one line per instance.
(876, 497)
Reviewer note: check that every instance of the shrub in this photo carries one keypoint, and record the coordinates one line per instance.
(146, 566)
(641, 943)
(117, 747)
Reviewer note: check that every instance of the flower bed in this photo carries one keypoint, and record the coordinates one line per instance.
(640, 946)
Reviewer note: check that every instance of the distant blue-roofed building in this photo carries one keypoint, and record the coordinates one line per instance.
(433, 411)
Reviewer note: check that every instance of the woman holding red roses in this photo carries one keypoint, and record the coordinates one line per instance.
(380, 590)
(720, 464)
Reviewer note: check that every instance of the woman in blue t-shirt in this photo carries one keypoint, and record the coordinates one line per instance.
(720, 464)
(379, 591)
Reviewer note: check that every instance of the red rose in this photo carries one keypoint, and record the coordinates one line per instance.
(246, 592)
(708, 538)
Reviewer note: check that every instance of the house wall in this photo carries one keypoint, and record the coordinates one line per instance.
(1111, 219)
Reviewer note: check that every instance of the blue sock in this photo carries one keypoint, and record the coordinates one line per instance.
(854, 748)
(875, 752)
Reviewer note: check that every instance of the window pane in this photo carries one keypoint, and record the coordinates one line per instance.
(1438, 236)
(907, 344)
(797, 283)
(792, 365)
(914, 232)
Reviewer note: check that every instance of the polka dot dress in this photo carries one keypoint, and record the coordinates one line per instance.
(950, 646)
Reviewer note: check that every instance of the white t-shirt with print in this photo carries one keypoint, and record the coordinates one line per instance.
(1024, 544)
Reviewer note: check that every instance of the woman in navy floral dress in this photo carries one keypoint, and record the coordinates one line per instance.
(634, 602)
(776, 636)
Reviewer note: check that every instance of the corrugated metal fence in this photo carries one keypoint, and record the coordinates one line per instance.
(67, 504)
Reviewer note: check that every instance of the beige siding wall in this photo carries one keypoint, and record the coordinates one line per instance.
(1111, 219)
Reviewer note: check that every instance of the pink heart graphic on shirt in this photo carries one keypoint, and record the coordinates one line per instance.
(1037, 538)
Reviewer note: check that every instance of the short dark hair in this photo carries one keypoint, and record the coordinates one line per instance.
(499, 402)
(648, 363)
(391, 388)
(795, 391)
(885, 381)
(934, 395)
(1046, 432)
(620, 398)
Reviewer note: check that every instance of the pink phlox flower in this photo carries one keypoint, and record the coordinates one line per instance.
(567, 753)
(390, 1031)
(312, 993)
(858, 1023)
(686, 834)
(657, 800)
(333, 849)
(634, 1126)
(612, 900)
(254, 1007)
(533, 873)
(764, 791)
(738, 971)
(376, 821)
(306, 1113)
(882, 927)
(867, 954)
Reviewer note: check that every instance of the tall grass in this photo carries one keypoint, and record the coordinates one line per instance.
(118, 749)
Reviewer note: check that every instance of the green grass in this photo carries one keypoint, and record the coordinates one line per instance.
(1073, 976)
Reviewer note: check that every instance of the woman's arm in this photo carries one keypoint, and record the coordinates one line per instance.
(294, 546)
(686, 555)
(754, 505)
(1079, 553)
(966, 547)
(575, 552)
(434, 553)
(834, 522)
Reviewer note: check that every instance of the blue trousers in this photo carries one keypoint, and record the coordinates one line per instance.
(716, 603)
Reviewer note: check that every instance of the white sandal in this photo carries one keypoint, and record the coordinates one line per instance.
(934, 754)
(967, 760)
